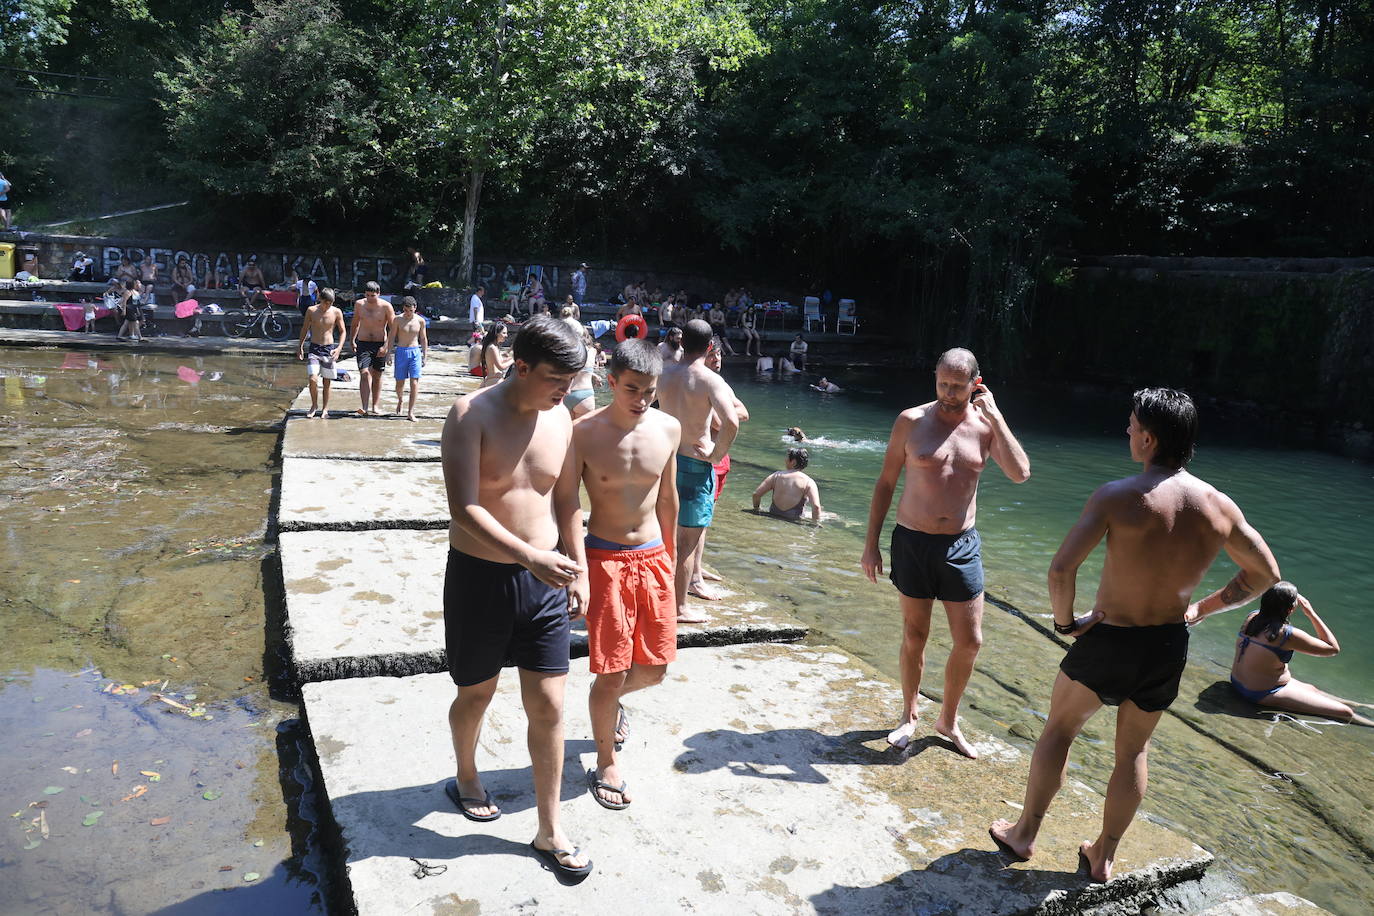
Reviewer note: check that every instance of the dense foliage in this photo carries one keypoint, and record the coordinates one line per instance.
(932, 153)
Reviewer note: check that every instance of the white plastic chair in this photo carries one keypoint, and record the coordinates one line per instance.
(848, 315)
(811, 313)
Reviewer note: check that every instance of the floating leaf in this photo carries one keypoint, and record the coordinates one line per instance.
(83, 733)
(136, 793)
(90, 819)
(33, 844)
(72, 770)
(211, 794)
(114, 768)
(159, 821)
(52, 790)
(188, 696)
(166, 655)
(257, 842)
(226, 868)
(252, 876)
(43, 823)
(152, 776)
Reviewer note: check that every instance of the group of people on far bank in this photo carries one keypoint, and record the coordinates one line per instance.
(521, 567)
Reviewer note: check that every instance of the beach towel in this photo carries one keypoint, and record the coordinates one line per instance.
(600, 327)
(186, 308)
(74, 314)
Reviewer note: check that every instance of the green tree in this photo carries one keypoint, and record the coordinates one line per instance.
(481, 83)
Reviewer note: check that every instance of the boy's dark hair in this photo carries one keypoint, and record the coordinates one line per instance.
(372, 286)
(637, 356)
(1171, 417)
(546, 339)
(800, 456)
(408, 302)
(696, 338)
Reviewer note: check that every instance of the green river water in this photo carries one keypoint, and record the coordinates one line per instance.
(136, 492)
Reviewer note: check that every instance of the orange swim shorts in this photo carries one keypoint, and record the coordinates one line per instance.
(632, 611)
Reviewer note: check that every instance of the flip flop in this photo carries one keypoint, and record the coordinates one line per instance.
(596, 783)
(622, 727)
(451, 790)
(1007, 850)
(550, 859)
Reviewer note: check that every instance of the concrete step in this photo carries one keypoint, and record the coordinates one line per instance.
(762, 783)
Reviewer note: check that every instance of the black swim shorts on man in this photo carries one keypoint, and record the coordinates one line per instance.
(1140, 664)
(944, 566)
(368, 356)
(498, 614)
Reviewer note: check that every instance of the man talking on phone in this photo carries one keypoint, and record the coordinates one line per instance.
(943, 447)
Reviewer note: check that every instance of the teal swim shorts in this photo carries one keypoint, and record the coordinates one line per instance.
(696, 490)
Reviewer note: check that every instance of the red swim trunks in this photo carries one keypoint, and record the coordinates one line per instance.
(722, 471)
(632, 611)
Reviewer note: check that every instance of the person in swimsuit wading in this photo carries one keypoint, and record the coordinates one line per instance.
(943, 447)
(792, 488)
(1264, 647)
(322, 321)
(512, 497)
(1164, 527)
(625, 454)
(372, 319)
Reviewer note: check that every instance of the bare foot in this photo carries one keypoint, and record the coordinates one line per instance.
(411, 418)
(559, 840)
(710, 575)
(1099, 867)
(611, 777)
(473, 790)
(900, 736)
(703, 591)
(324, 414)
(398, 407)
(957, 738)
(310, 414)
(1004, 834)
(360, 412)
(687, 615)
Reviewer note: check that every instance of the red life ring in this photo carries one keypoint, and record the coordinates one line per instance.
(629, 321)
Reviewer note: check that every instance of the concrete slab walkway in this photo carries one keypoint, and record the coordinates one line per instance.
(762, 784)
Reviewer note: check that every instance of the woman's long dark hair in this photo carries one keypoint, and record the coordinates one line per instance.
(490, 339)
(1275, 607)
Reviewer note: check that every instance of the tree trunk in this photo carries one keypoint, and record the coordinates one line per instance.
(474, 197)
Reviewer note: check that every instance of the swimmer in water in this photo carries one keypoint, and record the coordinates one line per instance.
(792, 489)
(796, 433)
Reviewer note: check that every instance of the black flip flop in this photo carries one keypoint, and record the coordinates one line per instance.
(550, 859)
(622, 727)
(1007, 850)
(596, 783)
(451, 790)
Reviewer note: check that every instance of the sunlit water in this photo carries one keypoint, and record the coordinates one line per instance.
(144, 760)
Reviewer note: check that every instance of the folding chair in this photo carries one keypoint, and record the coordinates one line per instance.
(811, 313)
(848, 315)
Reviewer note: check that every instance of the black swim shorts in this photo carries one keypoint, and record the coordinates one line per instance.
(944, 566)
(499, 614)
(1140, 664)
(368, 357)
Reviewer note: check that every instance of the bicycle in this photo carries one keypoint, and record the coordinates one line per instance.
(241, 322)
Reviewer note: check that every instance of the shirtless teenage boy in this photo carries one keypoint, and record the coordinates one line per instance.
(252, 283)
(321, 322)
(1164, 527)
(410, 343)
(690, 391)
(943, 447)
(512, 495)
(793, 488)
(372, 319)
(625, 455)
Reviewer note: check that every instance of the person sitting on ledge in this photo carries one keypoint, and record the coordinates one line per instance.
(792, 487)
(1265, 644)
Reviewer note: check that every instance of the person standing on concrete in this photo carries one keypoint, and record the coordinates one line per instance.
(579, 285)
(1164, 527)
(625, 455)
(410, 344)
(513, 497)
(696, 583)
(690, 391)
(372, 320)
(476, 311)
(943, 447)
(322, 321)
(6, 213)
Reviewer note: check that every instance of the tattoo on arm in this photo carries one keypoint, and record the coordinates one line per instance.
(1237, 591)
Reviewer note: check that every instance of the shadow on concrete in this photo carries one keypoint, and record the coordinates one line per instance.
(965, 881)
(788, 753)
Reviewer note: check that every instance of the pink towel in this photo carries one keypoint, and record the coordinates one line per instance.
(188, 375)
(187, 308)
(74, 314)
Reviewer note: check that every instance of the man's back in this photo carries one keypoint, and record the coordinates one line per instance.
(684, 391)
(1164, 529)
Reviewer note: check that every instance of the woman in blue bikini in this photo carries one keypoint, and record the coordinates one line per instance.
(1265, 644)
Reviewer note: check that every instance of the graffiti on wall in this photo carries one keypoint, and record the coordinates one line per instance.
(326, 270)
